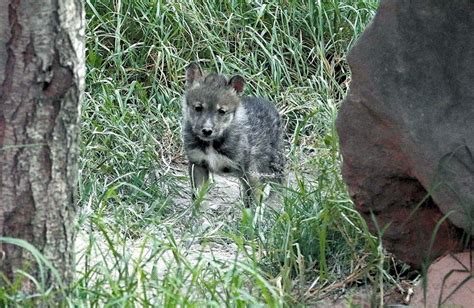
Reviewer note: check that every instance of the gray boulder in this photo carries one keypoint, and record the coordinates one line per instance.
(406, 128)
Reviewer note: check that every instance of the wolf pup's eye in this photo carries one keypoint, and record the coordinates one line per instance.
(198, 108)
(221, 111)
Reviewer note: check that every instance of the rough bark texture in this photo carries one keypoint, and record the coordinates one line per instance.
(41, 82)
(407, 126)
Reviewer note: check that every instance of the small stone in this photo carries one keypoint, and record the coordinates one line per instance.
(444, 276)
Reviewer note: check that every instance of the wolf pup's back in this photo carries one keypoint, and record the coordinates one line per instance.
(225, 133)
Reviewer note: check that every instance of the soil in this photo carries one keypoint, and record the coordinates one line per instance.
(196, 235)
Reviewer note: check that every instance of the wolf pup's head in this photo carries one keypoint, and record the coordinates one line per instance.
(210, 102)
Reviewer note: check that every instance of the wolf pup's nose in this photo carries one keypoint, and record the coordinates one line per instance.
(207, 132)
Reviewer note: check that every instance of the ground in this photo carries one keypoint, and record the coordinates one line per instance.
(198, 236)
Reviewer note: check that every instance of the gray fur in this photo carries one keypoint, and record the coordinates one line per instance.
(226, 133)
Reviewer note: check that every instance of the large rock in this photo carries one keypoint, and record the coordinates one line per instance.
(406, 127)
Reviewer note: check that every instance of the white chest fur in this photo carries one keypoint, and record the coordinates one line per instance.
(216, 162)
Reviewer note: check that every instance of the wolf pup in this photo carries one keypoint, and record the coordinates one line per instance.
(225, 133)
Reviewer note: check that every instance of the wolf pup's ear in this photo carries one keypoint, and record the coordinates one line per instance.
(193, 74)
(237, 83)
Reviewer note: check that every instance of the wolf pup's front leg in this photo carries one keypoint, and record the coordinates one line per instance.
(251, 190)
(199, 175)
(247, 193)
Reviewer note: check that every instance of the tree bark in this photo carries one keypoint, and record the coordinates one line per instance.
(41, 84)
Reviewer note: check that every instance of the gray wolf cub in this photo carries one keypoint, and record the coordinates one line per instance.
(226, 133)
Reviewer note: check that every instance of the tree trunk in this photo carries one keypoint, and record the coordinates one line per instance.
(41, 84)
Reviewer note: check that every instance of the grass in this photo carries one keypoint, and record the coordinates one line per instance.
(141, 242)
